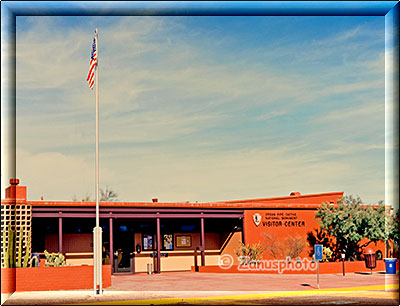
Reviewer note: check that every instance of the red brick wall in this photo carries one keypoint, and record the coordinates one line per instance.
(59, 278)
(51, 278)
(8, 276)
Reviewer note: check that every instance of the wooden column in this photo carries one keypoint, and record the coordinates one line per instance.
(111, 244)
(60, 241)
(158, 246)
(202, 241)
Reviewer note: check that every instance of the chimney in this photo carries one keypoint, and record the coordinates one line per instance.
(155, 200)
(295, 194)
(14, 181)
(14, 191)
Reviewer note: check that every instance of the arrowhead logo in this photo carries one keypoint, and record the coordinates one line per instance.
(257, 219)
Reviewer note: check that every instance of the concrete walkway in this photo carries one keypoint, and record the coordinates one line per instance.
(216, 288)
(189, 281)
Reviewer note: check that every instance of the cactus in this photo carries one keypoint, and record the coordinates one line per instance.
(48, 258)
(9, 251)
(54, 260)
(11, 247)
(59, 260)
(27, 250)
(6, 259)
(19, 258)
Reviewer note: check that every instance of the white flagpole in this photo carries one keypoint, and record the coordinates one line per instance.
(97, 239)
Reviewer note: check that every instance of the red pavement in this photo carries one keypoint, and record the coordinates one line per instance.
(192, 281)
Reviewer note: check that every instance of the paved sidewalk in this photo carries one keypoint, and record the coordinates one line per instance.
(217, 288)
(189, 281)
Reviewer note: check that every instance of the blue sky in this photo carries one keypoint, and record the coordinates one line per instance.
(202, 108)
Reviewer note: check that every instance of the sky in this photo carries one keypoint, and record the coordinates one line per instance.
(197, 108)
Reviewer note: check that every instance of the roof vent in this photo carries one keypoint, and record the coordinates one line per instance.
(155, 200)
(295, 194)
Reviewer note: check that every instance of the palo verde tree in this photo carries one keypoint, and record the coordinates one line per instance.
(350, 222)
(392, 232)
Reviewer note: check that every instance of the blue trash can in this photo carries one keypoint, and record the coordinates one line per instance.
(390, 265)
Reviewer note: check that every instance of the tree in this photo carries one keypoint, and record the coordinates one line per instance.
(106, 195)
(350, 222)
(319, 236)
(392, 232)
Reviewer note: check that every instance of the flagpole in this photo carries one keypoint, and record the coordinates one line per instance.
(97, 243)
(97, 132)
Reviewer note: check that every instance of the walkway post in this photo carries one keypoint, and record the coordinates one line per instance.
(60, 241)
(111, 244)
(158, 246)
(203, 246)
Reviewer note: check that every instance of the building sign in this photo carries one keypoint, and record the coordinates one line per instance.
(154, 255)
(281, 219)
(318, 251)
(257, 219)
(183, 241)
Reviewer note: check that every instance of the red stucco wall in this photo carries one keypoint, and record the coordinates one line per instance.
(278, 225)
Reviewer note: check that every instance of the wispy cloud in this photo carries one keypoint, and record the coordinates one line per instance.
(198, 111)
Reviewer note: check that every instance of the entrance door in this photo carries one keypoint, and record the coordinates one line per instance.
(122, 261)
(124, 238)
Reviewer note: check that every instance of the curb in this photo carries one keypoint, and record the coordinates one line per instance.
(197, 300)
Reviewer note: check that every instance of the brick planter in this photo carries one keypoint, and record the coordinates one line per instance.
(8, 277)
(51, 278)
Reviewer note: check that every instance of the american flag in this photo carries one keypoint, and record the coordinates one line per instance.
(93, 63)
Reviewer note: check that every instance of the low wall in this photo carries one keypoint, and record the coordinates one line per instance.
(8, 277)
(51, 278)
(324, 268)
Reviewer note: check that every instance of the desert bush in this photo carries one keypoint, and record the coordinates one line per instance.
(278, 248)
(249, 253)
